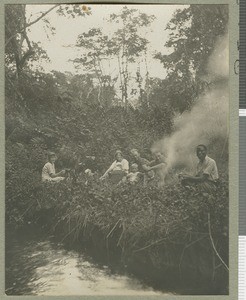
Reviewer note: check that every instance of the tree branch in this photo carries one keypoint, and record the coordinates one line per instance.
(41, 16)
(31, 23)
(150, 245)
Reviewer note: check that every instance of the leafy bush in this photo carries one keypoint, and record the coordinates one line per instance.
(171, 226)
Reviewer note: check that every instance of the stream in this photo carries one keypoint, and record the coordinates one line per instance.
(36, 265)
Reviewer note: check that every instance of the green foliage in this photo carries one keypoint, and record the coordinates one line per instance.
(193, 34)
(19, 50)
(61, 112)
(127, 40)
(75, 10)
(128, 43)
(46, 119)
(140, 220)
(14, 22)
(75, 117)
(23, 173)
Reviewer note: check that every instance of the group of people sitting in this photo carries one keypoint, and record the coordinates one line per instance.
(119, 171)
(143, 170)
(140, 169)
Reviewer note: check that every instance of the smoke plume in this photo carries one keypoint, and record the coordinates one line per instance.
(207, 122)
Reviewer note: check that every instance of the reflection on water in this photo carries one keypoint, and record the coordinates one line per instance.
(44, 268)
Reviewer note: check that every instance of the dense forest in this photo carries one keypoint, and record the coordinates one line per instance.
(92, 113)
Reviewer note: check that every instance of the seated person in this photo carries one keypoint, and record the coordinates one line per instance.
(143, 165)
(206, 173)
(134, 176)
(49, 172)
(158, 165)
(118, 169)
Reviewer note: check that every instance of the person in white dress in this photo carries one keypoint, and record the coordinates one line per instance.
(118, 169)
(49, 172)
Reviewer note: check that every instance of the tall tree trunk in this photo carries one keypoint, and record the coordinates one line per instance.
(147, 80)
(126, 77)
(99, 81)
(121, 81)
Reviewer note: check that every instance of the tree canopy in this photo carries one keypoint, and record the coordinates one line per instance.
(193, 34)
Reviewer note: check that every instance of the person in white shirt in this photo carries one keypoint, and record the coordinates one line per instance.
(206, 172)
(118, 169)
(49, 172)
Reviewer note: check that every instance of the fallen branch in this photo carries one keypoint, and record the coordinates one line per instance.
(150, 245)
(111, 231)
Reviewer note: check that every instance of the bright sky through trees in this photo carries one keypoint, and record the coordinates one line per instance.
(60, 46)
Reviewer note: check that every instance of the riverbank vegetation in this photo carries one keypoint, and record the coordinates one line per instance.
(170, 235)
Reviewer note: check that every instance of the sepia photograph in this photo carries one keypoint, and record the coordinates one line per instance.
(116, 149)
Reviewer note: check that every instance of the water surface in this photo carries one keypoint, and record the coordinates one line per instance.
(43, 267)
